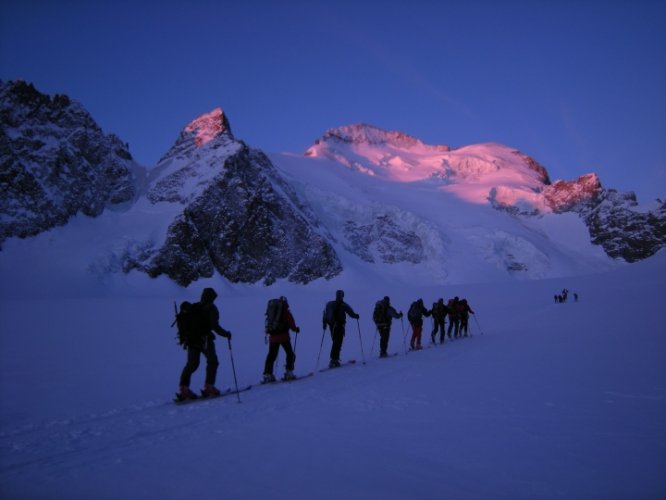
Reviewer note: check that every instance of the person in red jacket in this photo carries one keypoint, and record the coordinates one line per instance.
(280, 338)
(415, 316)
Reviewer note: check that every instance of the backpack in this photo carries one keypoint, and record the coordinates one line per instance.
(189, 320)
(414, 313)
(273, 316)
(379, 313)
(330, 313)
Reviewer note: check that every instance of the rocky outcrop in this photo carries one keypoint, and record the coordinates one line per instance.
(566, 196)
(624, 232)
(55, 162)
(612, 217)
(361, 133)
(383, 240)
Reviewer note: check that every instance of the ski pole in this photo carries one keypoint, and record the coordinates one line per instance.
(360, 337)
(233, 367)
(404, 335)
(175, 314)
(323, 332)
(477, 323)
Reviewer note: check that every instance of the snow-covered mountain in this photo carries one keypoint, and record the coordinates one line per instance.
(56, 163)
(503, 177)
(213, 207)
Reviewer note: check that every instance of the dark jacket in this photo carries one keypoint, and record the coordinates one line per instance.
(390, 313)
(211, 316)
(420, 310)
(338, 310)
(439, 310)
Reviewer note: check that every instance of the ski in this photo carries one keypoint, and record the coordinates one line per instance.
(283, 381)
(346, 363)
(179, 401)
(428, 346)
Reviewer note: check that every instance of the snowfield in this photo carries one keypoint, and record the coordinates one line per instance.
(545, 400)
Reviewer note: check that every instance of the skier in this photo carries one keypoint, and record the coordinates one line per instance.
(383, 316)
(281, 338)
(415, 316)
(439, 311)
(335, 317)
(454, 317)
(465, 310)
(202, 341)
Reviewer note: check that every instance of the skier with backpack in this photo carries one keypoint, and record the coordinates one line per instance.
(383, 315)
(279, 321)
(196, 324)
(415, 316)
(335, 317)
(465, 311)
(454, 317)
(439, 312)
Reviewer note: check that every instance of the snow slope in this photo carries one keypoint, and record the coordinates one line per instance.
(461, 241)
(544, 401)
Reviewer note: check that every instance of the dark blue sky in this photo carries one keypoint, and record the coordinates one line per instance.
(578, 85)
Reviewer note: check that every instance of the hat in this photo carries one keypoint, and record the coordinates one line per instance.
(208, 295)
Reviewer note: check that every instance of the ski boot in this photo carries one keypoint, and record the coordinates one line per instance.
(289, 375)
(209, 391)
(185, 393)
(335, 363)
(268, 378)
(383, 355)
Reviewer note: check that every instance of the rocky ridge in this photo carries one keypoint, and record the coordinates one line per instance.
(55, 162)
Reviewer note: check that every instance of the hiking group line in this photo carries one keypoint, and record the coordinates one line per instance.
(198, 322)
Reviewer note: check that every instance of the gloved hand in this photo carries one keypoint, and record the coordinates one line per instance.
(297, 330)
(357, 316)
(227, 334)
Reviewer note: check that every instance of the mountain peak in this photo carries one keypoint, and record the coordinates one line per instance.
(359, 134)
(208, 126)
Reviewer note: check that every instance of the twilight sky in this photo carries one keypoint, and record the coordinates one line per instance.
(579, 85)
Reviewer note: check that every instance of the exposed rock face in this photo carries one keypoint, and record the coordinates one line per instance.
(385, 239)
(565, 196)
(623, 232)
(55, 162)
(611, 217)
(239, 216)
